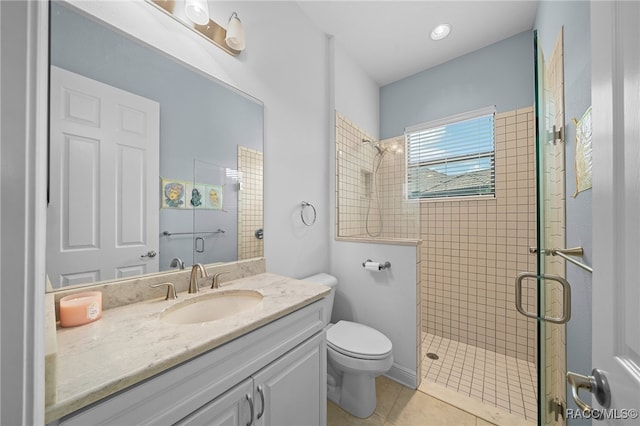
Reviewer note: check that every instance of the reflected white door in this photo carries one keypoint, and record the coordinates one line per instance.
(102, 219)
(615, 38)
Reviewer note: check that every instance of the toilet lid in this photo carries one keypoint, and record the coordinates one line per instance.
(358, 340)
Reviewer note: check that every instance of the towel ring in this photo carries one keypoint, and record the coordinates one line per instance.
(304, 205)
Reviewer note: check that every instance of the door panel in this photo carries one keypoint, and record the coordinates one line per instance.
(104, 162)
(233, 408)
(615, 28)
(292, 390)
(80, 160)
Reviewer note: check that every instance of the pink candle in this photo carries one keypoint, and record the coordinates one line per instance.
(80, 308)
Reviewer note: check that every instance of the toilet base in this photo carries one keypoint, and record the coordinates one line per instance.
(358, 394)
(333, 394)
(333, 386)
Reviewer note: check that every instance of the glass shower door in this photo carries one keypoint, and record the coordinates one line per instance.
(550, 176)
(213, 196)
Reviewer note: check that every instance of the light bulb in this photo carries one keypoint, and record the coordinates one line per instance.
(197, 11)
(440, 32)
(235, 33)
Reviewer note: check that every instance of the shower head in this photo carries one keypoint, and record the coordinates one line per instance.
(380, 148)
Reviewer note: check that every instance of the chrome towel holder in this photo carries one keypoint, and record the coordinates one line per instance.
(565, 253)
(304, 205)
(168, 234)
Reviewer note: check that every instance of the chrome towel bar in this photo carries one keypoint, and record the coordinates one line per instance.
(219, 231)
(565, 254)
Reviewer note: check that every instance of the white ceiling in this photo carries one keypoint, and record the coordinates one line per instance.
(390, 39)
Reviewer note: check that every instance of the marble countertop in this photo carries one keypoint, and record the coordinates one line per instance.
(131, 343)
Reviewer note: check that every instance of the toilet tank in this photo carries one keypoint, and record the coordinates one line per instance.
(329, 281)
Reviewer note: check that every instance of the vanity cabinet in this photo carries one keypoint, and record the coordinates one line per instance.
(234, 408)
(286, 392)
(277, 373)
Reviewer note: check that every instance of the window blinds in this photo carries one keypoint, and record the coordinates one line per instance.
(453, 157)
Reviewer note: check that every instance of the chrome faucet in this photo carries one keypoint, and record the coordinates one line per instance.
(176, 261)
(215, 283)
(193, 280)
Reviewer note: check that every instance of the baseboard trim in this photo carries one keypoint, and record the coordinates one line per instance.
(403, 375)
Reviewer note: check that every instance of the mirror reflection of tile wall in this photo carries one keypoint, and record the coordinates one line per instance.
(250, 210)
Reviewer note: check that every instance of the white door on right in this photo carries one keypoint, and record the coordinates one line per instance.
(615, 41)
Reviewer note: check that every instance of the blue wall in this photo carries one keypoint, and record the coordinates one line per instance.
(500, 74)
(199, 119)
(575, 17)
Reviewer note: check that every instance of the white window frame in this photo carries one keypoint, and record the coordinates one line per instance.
(477, 113)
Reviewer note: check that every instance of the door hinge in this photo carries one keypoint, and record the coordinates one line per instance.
(556, 135)
(558, 408)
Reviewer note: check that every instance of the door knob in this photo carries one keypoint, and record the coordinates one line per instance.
(597, 384)
(150, 254)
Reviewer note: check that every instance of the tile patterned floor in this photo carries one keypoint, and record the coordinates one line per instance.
(497, 380)
(401, 406)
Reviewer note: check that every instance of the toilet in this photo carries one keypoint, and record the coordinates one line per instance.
(356, 355)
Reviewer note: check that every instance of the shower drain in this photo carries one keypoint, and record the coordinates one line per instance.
(431, 355)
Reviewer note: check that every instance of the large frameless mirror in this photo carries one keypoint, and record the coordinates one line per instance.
(150, 159)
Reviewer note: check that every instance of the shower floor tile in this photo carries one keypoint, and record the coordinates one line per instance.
(497, 380)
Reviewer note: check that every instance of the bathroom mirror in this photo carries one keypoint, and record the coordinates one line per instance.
(179, 175)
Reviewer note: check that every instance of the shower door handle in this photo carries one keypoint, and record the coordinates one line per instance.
(566, 297)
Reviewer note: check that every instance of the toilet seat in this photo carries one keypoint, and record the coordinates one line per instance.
(358, 341)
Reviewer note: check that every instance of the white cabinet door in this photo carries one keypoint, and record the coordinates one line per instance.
(292, 391)
(233, 408)
(103, 202)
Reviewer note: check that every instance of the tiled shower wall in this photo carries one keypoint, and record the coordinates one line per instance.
(473, 249)
(371, 204)
(250, 203)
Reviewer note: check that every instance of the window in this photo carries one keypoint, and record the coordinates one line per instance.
(452, 157)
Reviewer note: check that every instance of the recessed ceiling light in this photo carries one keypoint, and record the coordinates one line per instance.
(440, 32)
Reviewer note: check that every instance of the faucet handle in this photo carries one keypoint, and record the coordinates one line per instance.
(171, 290)
(215, 281)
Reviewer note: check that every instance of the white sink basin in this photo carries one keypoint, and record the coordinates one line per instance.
(211, 307)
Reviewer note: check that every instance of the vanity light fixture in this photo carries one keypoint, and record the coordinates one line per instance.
(235, 33)
(193, 16)
(440, 32)
(197, 11)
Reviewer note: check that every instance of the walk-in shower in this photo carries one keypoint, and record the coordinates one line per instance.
(471, 250)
